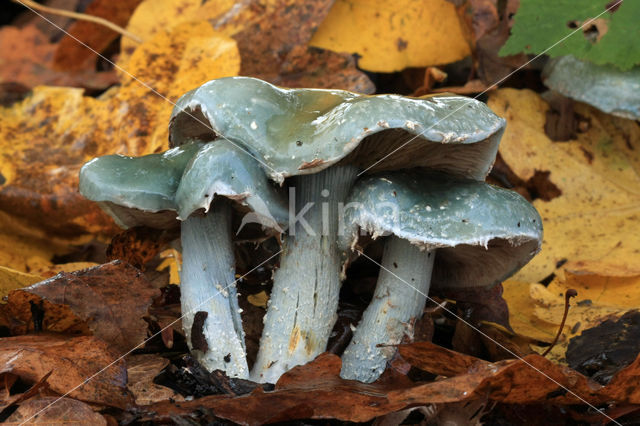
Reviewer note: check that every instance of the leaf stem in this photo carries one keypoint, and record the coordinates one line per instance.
(79, 16)
(567, 295)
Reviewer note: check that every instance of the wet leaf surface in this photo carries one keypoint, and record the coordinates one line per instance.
(108, 301)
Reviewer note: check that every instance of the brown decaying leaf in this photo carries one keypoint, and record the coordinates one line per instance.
(9, 379)
(141, 370)
(269, 30)
(488, 23)
(532, 379)
(64, 411)
(71, 55)
(313, 67)
(26, 58)
(108, 301)
(71, 361)
(138, 245)
(315, 390)
(272, 37)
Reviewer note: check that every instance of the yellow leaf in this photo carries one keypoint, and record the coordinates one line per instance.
(521, 313)
(28, 249)
(393, 35)
(600, 297)
(10, 279)
(258, 299)
(154, 16)
(174, 62)
(173, 261)
(597, 215)
(45, 139)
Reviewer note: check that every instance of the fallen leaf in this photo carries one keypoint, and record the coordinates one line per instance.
(65, 267)
(597, 174)
(537, 310)
(138, 245)
(330, 70)
(141, 370)
(258, 299)
(601, 351)
(72, 53)
(26, 57)
(436, 359)
(11, 279)
(488, 24)
(272, 37)
(64, 411)
(108, 300)
(47, 137)
(522, 316)
(71, 361)
(392, 35)
(527, 380)
(154, 16)
(604, 38)
(10, 398)
(29, 249)
(173, 262)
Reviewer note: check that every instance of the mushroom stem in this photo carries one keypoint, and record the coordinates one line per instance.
(208, 292)
(400, 295)
(304, 300)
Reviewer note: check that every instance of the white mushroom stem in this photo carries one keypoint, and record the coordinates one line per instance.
(304, 299)
(400, 295)
(207, 285)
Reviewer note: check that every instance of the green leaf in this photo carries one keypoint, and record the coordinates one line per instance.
(611, 39)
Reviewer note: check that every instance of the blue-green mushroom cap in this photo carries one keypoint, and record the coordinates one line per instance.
(137, 190)
(303, 131)
(603, 86)
(483, 234)
(158, 189)
(222, 169)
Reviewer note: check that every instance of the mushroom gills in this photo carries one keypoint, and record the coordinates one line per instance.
(304, 299)
(400, 296)
(208, 292)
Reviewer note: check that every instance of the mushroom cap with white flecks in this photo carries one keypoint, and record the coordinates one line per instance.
(482, 233)
(303, 131)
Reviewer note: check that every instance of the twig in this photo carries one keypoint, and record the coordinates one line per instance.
(568, 295)
(79, 16)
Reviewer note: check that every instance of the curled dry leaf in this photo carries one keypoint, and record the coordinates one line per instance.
(597, 174)
(64, 411)
(8, 398)
(141, 370)
(531, 379)
(70, 361)
(108, 301)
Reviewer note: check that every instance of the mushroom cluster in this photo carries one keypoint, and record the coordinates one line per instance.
(410, 170)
